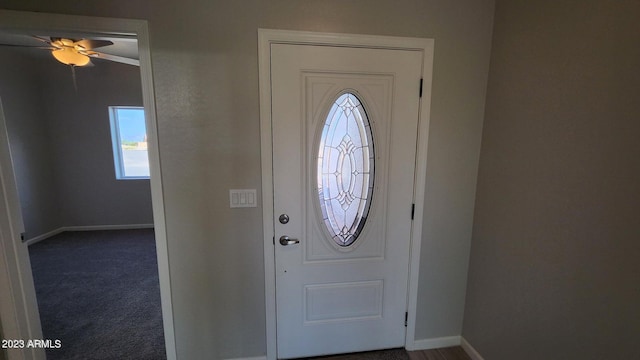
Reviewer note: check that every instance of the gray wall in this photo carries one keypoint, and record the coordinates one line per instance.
(2, 352)
(29, 140)
(204, 56)
(61, 142)
(81, 141)
(554, 265)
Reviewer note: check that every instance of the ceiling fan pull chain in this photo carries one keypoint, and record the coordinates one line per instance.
(73, 76)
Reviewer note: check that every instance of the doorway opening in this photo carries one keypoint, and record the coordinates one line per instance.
(75, 130)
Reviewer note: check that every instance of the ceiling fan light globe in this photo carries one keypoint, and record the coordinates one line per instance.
(69, 56)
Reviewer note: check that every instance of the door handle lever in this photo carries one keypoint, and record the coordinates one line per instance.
(285, 240)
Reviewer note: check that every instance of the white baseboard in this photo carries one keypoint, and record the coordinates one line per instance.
(108, 227)
(434, 343)
(251, 358)
(473, 353)
(44, 236)
(86, 228)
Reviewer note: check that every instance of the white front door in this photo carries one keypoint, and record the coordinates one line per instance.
(344, 129)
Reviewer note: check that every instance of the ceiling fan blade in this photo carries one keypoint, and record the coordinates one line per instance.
(44, 40)
(92, 44)
(120, 59)
(30, 47)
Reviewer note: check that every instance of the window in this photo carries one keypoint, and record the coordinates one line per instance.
(129, 139)
(345, 169)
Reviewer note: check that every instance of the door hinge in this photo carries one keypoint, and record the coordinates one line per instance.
(273, 240)
(406, 318)
(420, 94)
(413, 210)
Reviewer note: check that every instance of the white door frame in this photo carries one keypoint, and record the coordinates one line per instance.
(265, 39)
(17, 306)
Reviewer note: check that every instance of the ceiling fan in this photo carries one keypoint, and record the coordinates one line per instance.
(77, 52)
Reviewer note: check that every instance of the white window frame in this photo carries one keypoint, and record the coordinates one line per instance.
(118, 160)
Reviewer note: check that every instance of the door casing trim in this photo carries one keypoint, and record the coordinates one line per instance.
(267, 37)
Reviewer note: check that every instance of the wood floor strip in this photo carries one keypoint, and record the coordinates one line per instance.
(450, 353)
(454, 353)
(425, 355)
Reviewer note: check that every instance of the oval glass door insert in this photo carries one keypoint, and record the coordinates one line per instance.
(345, 169)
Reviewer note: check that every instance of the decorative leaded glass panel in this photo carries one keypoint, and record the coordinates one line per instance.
(345, 169)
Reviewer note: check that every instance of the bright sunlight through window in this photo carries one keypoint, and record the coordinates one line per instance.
(129, 138)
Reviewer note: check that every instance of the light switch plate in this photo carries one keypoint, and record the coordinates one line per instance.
(242, 198)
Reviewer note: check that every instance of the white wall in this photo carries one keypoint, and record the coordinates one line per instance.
(204, 56)
(61, 142)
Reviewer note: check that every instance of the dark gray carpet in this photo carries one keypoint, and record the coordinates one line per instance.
(98, 293)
